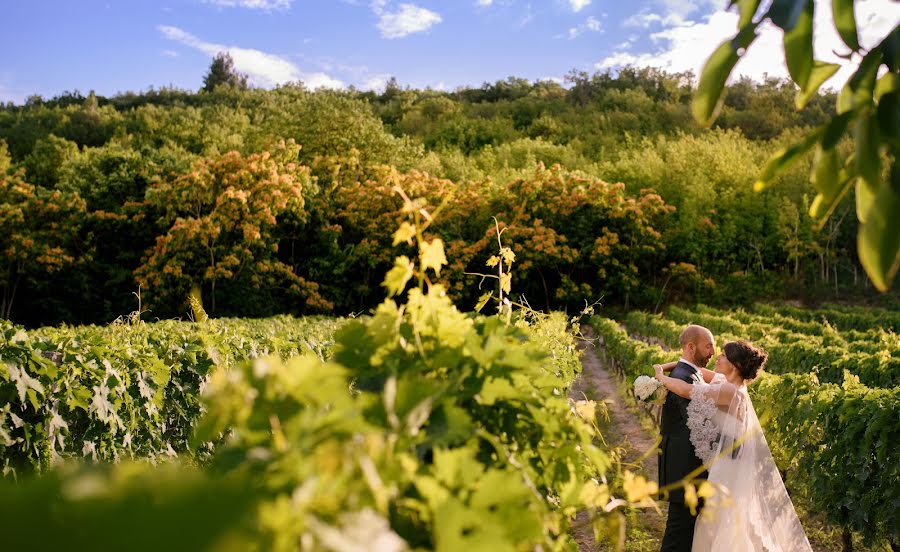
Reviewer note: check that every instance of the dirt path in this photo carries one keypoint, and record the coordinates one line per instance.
(623, 430)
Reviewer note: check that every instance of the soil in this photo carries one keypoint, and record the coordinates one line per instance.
(623, 431)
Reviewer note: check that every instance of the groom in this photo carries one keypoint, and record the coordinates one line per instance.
(677, 458)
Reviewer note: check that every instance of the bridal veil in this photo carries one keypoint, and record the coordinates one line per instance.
(750, 510)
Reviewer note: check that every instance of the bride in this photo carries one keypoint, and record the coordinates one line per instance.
(750, 510)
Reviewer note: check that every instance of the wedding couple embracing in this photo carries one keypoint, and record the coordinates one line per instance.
(710, 431)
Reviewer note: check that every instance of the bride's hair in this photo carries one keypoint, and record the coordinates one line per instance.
(746, 357)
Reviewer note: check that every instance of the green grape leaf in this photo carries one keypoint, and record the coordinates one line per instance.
(746, 9)
(396, 278)
(785, 157)
(431, 255)
(798, 47)
(495, 389)
(708, 98)
(845, 21)
(868, 156)
(457, 467)
(860, 86)
(888, 114)
(450, 425)
(830, 180)
(405, 233)
(835, 129)
(879, 238)
(891, 47)
(819, 73)
(483, 300)
(786, 13)
(458, 527)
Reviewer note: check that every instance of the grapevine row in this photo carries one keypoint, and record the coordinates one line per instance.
(838, 441)
(125, 391)
(799, 353)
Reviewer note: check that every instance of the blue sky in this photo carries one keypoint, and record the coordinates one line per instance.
(115, 46)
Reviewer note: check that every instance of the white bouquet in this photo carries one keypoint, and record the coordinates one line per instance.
(648, 389)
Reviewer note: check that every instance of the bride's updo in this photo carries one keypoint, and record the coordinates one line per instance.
(747, 358)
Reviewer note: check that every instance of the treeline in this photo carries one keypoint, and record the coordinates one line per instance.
(282, 200)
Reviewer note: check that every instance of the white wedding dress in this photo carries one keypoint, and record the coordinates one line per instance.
(750, 510)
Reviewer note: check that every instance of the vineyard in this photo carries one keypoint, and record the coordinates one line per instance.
(829, 398)
(418, 426)
(369, 311)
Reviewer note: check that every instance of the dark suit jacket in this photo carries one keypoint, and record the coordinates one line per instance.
(677, 457)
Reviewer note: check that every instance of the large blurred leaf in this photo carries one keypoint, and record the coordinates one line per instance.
(126, 507)
(868, 156)
(865, 198)
(889, 118)
(458, 527)
(879, 238)
(891, 48)
(747, 9)
(786, 13)
(819, 73)
(830, 180)
(835, 130)
(798, 48)
(785, 157)
(708, 98)
(889, 82)
(845, 21)
(859, 88)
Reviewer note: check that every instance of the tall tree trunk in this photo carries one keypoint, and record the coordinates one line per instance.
(546, 291)
(9, 294)
(847, 539)
(662, 293)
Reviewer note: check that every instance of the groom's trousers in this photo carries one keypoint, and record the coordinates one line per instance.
(679, 534)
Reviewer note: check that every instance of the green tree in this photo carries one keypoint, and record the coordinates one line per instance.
(222, 72)
(49, 154)
(868, 108)
(222, 227)
(5, 160)
(38, 234)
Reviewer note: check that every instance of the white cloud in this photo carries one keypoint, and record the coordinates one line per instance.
(592, 24)
(484, 2)
(170, 53)
(686, 45)
(680, 9)
(578, 5)
(407, 20)
(375, 83)
(266, 5)
(624, 45)
(643, 19)
(262, 68)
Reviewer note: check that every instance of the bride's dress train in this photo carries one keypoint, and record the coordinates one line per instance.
(751, 510)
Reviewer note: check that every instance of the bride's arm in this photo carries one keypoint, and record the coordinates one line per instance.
(667, 367)
(721, 394)
(675, 385)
